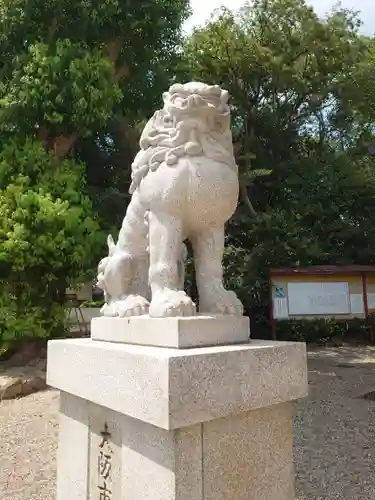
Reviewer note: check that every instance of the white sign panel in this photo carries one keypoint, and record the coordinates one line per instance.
(356, 303)
(371, 300)
(280, 308)
(318, 298)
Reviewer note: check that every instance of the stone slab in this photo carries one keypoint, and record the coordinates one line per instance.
(17, 381)
(178, 333)
(172, 388)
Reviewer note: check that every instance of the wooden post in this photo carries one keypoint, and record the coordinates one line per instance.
(365, 304)
(272, 319)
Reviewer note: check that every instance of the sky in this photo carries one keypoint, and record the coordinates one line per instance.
(203, 8)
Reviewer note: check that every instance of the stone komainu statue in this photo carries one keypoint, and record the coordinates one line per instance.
(184, 186)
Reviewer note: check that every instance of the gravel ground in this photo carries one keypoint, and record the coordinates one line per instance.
(334, 427)
(28, 441)
(334, 434)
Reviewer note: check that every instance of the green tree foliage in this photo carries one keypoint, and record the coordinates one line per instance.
(65, 67)
(37, 95)
(353, 115)
(282, 66)
(47, 233)
(43, 197)
(302, 106)
(75, 79)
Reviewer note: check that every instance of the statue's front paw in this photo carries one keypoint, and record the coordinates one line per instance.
(132, 305)
(222, 301)
(171, 303)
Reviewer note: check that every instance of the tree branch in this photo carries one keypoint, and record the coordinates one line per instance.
(244, 197)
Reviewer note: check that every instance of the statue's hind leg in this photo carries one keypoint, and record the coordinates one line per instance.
(208, 246)
(126, 272)
(165, 240)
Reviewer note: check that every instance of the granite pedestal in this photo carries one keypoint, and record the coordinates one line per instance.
(140, 422)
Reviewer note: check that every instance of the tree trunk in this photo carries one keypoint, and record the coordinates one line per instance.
(62, 145)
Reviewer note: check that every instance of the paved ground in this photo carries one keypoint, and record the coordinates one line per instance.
(334, 434)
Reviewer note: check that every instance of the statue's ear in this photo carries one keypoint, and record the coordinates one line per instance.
(111, 244)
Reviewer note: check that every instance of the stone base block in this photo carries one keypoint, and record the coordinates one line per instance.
(148, 423)
(247, 456)
(178, 333)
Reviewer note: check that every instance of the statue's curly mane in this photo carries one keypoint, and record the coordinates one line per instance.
(195, 121)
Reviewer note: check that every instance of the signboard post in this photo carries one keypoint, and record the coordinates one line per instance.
(340, 292)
